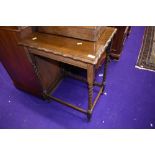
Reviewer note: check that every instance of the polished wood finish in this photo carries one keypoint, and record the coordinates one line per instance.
(119, 40)
(66, 50)
(60, 47)
(91, 33)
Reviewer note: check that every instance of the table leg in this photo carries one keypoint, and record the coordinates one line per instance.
(107, 59)
(105, 73)
(90, 80)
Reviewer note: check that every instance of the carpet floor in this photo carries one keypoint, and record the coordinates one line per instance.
(146, 58)
(129, 101)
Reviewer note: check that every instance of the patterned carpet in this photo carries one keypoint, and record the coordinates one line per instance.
(146, 59)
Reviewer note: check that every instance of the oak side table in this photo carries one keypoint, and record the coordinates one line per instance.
(75, 52)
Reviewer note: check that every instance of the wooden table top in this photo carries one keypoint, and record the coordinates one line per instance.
(76, 49)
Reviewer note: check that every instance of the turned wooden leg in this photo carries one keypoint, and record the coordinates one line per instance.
(107, 60)
(90, 96)
(90, 80)
(105, 73)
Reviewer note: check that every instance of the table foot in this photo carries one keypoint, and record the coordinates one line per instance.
(89, 116)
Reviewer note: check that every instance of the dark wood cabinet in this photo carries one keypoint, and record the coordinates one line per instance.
(15, 59)
(118, 41)
(17, 62)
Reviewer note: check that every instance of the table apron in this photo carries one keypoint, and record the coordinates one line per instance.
(59, 58)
